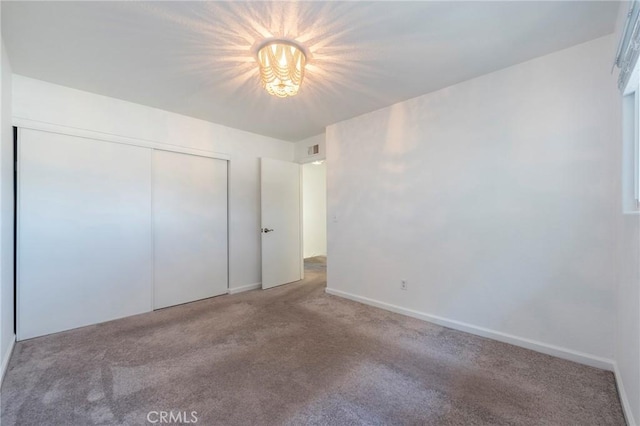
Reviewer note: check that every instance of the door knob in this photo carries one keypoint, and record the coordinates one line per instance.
(267, 230)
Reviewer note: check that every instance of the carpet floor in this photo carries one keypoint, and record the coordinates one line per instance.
(294, 355)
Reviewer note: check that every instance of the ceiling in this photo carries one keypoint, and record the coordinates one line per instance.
(197, 58)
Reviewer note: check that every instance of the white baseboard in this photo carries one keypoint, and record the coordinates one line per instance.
(245, 288)
(564, 353)
(6, 358)
(624, 399)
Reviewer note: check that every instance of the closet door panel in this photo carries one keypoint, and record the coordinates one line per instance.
(84, 232)
(190, 228)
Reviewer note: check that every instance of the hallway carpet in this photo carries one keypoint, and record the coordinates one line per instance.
(294, 355)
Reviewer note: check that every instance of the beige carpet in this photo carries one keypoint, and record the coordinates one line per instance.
(294, 355)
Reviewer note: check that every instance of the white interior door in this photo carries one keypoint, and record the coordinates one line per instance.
(84, 232)
(281, 222)
(190, 228)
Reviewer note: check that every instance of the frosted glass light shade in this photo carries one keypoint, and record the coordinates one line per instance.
(281, 68)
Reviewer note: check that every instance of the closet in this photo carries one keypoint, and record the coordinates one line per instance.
(107, 230)
(190, 227)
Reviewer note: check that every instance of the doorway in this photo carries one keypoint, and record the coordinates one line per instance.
(314, 210)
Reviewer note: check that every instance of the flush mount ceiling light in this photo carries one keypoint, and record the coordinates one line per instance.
(282, 65)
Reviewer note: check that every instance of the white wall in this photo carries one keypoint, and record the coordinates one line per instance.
(495, 198)
(627, 348)
(44, 102)
(7, 337)
(301, 153)
(314, 209)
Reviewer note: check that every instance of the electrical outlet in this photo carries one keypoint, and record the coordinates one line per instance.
(403, 285)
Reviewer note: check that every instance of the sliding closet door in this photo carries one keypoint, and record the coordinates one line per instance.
(190, 228)
(84, 232)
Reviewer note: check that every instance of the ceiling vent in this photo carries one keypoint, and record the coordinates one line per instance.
(314, 149)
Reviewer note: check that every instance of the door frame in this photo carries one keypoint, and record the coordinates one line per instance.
(25, 123)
